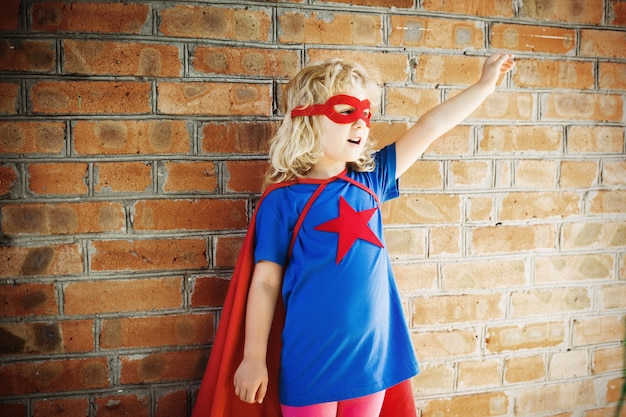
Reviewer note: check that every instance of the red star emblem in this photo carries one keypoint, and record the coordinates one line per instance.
(350, 225)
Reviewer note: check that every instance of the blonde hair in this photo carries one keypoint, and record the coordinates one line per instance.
(297, 145)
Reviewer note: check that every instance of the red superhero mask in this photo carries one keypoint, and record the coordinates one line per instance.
(357, 110)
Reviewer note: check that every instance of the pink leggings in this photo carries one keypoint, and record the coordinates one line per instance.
(368, 406)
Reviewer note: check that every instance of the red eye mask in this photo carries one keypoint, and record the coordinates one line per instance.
(357, 109)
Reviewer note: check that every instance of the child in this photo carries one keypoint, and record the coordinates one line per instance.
(320, 256)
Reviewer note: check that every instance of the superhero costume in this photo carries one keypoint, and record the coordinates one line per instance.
(216, 395)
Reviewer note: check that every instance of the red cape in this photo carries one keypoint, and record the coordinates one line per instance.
(216, 396)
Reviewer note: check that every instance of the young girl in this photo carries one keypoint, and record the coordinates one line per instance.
(319, 251)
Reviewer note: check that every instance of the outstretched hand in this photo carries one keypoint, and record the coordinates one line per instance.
(496, 65)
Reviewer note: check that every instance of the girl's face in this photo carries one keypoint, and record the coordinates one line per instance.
(343, 142)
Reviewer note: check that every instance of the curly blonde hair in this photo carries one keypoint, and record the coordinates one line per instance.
(297, 145)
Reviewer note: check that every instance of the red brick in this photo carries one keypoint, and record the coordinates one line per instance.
(602, 43)
(122, 177)
(595, 139)
(173, 330)
(146, 255)
(539, 205)
(461, 308)
(470, 174)
(209, 291)
(527, 336)
(564, 395)
(617, 12)
(524, 369)
(440, 69)
(54, 376)
(489, 8)
(458, 141)
(483, 275)
(330, 28)
(480, 404)
(242, 137)
(110, 296)
(210, 214)
(10, 18)
(136, 404)
(528, 38)
(607, 360)
(63, 259)
(132, 137)
(116, 58)
(578, 174)
(614, 391)
(608, 201)
(246, 176)
(9, 180)
(208, 98)
(62, 407)
(94, 17)
(226, 251)
(383, 133)
(172, 404)
(86, 97)
(589, 12)
(573, 268)
(184, 176)
(447, 343)
(210, 22)
(23, 300)
(552, 301)
(409, 209)
(9, 98)
(32, 137)
(483, 373)
(384, 67)
(423, 175)
(12, 409)
(535, 73)
(401, 4)
(506, 239)
(404, 244)
(27, 56)
(583, 106)
(160, 367)
(428, 32)
(601, 412)
(63, 218)
(612, 76)
(410, 102)
(245, 61)
(614, 173)
(58, 178)
(43, 338)
(507, 106)
(502, 139)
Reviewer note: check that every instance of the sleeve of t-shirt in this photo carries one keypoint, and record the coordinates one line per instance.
(385, 172)
(272, 234)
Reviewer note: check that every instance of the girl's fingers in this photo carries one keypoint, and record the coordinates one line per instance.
(261, 393)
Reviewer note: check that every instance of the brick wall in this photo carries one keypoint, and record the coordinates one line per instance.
(133, 139)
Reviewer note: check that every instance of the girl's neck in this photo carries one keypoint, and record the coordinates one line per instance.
(324, 171)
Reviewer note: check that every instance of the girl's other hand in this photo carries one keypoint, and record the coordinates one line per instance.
(251, 381)
(496, 65)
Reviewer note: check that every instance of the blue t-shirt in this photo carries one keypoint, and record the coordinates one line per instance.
(345, 334)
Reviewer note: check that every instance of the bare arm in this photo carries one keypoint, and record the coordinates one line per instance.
(437, 121)
(251, 377)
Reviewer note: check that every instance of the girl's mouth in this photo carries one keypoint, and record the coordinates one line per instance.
(355, 141)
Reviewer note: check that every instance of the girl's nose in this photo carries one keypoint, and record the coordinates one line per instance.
(359, 123)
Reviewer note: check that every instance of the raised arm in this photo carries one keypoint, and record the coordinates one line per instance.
(251, 377)
(437, 121)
